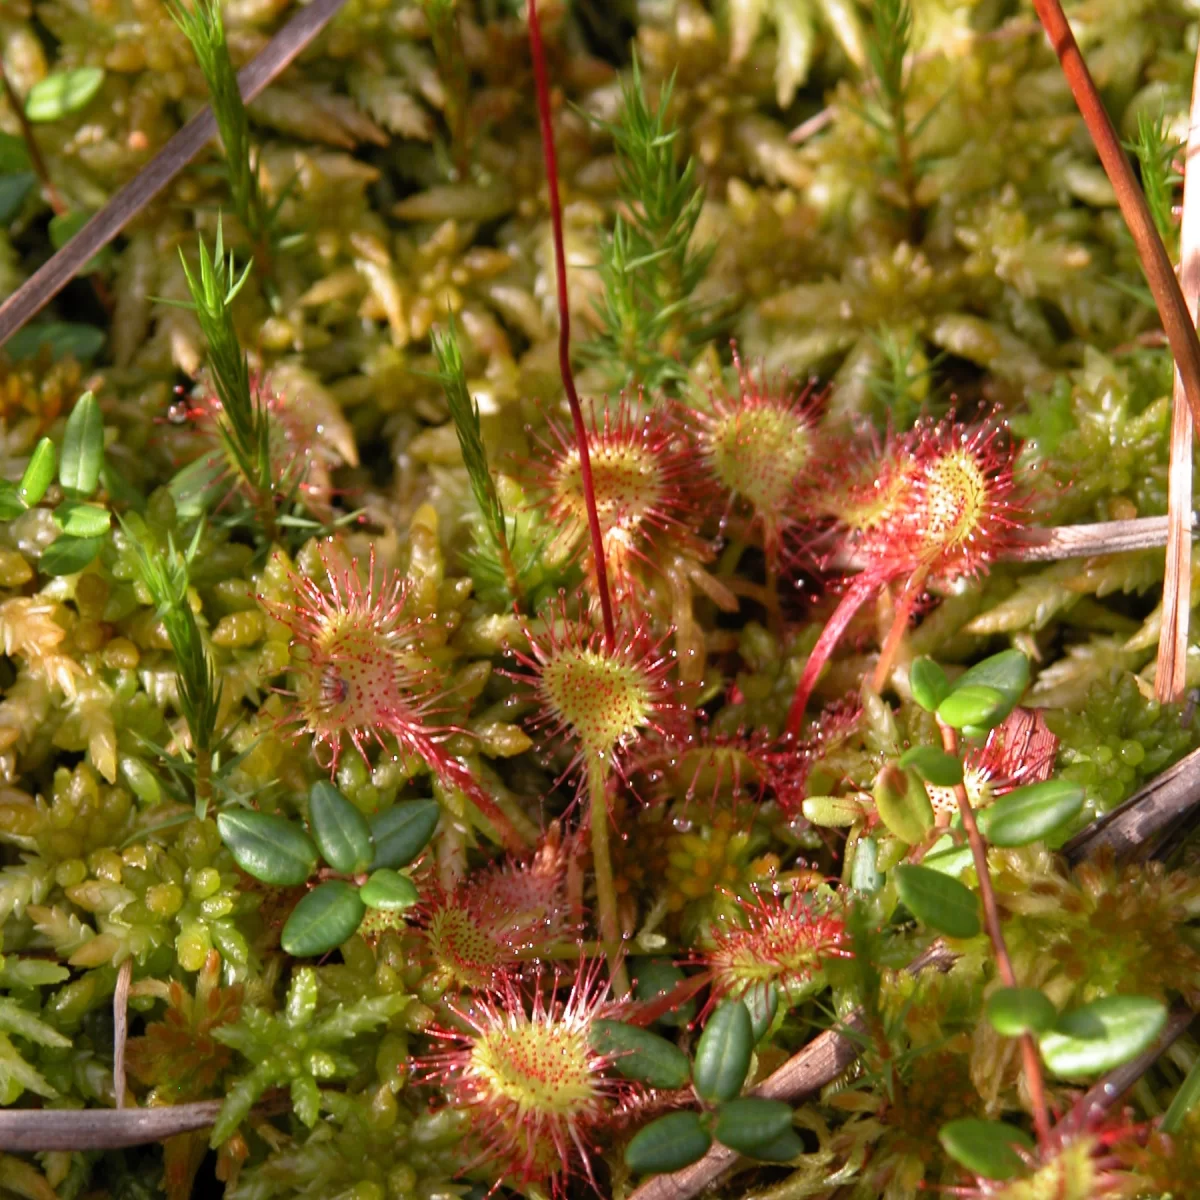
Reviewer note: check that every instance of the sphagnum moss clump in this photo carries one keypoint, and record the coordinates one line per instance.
(325, 600)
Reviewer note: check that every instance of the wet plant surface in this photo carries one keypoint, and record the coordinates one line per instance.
(564, 585)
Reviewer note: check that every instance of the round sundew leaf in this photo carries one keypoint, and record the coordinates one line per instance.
(832, 812)
(1007, 672)
(339, 829)
(987, 1148)
(723, 1052)
(1017, 1010)
(323, 919)
(978, 706)
(39, 473)
(653, 977)
(928, 683)
(1102, 1035)
(938, 900)
(270, 848)
(389, 891)
(668, 1144)
(751, 1124)
(62, 93)
(83, 447)
(933, 765)
(641, 1055)
(67, 555)
(401, 832)
(903, 804)
(79, 519)
(1029, 813)
(787, 1146)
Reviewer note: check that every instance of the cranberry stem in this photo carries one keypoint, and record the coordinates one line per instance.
(538, 54)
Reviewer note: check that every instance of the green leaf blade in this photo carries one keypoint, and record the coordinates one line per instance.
(1028, 814)
(668, 1144)
(270, 848)
(323, 920)
(1102, 1035)
(83, 447)
(938, 901)
(63, 93)
(751, 1124)
(640, 1055)
(341, 832)
(401, 832)
(723, 1052)
(988, 1148)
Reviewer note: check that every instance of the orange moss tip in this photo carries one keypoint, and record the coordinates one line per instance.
(479, 931)
(759, 443)
(784, 940)
(641, 465)
(358, 668)
(600, 699)
(524, 1068)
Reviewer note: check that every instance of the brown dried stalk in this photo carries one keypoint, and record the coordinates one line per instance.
(1170, 679)
(1156, 263)
(121, 1027)
(45, 283)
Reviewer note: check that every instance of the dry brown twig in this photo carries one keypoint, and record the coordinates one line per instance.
(46, 282)
(1170, 678)
(121, 1027)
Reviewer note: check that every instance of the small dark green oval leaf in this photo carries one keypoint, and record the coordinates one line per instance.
(903, 804)
(1029, 813)
(270, 848)
(13, 190)
(832, 812)
(83, 447)
(977, 706)
(62, 93)
(933, 765)
(641, 1055)
(80, 341)
(787, 1146)
(1014, 1011)
(723, 1052)
(82, 520)
(928, 683)
(762, 1002)
(1007, 672)
(339, 829)
(389, 890)
(322, 920)
(654, 977)
(987, 1148)
(14, 154)
(1102, 1035)
(668, 1144)
(864, 871)
(67, 555)
(11, 506)
(938, 901)
(751, 1124)
(401, 832)
(39, 473)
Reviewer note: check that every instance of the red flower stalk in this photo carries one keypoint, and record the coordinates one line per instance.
(640, 465)
(497, 915)
(542, 88)
(360, 672)
(758, 443)
(782, 940)
(1019, 751)
(942, 505)
(526, 1071)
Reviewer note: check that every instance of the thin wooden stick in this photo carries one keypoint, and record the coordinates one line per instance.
(30, 1130)
(1170, 678)
(46, 282)
(1156, 263)
(121, 1027)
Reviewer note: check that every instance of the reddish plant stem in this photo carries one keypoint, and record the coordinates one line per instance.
(35, 153)
(991, 917)
(538, 53)
(904, 610)
(1160, 274)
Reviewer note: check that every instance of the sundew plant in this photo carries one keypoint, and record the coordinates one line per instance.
(595, 599)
